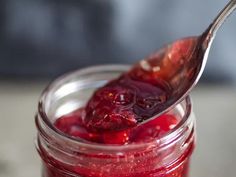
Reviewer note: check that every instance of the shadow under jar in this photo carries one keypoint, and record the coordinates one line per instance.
(66, 156)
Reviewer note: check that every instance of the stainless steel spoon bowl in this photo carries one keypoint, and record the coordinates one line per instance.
(182, 62)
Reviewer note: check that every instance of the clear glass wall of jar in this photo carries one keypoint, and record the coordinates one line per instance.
(63, 156)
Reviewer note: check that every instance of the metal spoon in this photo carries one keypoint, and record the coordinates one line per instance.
(182, 62)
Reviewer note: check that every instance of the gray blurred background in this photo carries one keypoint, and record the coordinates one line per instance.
(45, 38)
(42, 39)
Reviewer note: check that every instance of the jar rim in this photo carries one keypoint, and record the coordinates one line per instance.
(170, 136)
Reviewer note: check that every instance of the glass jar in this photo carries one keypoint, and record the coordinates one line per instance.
(64, 156)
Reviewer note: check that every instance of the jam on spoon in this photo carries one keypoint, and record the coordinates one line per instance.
(155, 84)
(124, 102)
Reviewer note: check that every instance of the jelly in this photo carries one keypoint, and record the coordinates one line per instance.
(72, 125)
(102, 139)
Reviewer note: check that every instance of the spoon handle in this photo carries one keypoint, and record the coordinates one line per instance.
(217, 23)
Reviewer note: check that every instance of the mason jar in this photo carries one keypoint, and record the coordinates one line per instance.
(65, 156)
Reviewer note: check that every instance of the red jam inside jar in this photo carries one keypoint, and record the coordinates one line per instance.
(90, 132)
(72, 125)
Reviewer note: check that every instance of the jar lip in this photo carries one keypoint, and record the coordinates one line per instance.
(168, 137)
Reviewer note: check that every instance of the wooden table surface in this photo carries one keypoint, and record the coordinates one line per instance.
(214, 106)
